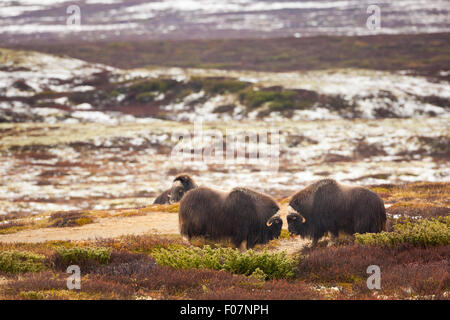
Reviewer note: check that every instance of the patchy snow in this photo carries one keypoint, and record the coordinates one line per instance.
(43, 72)
(226, 18)
(83, 106)
(94, 116)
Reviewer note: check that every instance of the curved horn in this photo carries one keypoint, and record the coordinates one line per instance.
(271, 220)
(296, 215)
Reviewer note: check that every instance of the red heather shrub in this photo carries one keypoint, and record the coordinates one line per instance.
(246, 289)
(38, 281)
(137, 244)
(106, 288)
(405, 271)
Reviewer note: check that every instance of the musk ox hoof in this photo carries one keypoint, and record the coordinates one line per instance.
(243, 246)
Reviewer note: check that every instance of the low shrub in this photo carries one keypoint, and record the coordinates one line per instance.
(219, 85)
(139, 243)
(274, 265)
(405, 271)
(81, 256)
(145, 97)
(12, 227)
(418, 209)
(424, 233)
(21, 261)
(69, 219)
(153, 85)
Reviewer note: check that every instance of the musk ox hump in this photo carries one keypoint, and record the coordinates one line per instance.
(264, 205)
(238, 203)
(248, 211)
(305, 197)
(328, 197)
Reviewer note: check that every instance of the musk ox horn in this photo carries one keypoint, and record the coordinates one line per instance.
(295, 213)
(298, 215)
(272, 220)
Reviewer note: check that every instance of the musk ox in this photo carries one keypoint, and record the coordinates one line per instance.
(242, 215)
(327, 206)
(181, 184)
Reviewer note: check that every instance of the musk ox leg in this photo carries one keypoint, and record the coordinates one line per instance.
(243, 246)
(186, 239)
(315, 241)
(333, 238)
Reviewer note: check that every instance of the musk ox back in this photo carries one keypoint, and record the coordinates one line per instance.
(181, 184)
(242, 215)
(326, 206)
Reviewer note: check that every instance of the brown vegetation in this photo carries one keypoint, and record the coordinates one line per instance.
(422, 53)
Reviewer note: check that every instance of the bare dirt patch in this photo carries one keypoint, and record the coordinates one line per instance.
(156, 223)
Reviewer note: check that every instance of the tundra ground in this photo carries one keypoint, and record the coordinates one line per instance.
(138, 254)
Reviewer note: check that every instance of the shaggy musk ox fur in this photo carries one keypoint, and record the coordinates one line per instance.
(242, 215)
(180, 185)
(326, 206)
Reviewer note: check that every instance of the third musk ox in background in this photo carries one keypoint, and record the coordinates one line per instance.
(327, 206)
(242, 215)
(180, 185)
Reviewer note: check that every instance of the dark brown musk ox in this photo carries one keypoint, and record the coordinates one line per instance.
(181, 184)
(244, 216)
(329, 207)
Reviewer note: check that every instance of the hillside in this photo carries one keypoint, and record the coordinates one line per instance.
(78, 135)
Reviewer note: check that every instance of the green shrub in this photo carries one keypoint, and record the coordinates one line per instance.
(153, 85)
(278, 99)
(21, 261)
(78, 255)
(145, 97)
(254, 99)
(425, 232)
(273, 265)
(218, 85)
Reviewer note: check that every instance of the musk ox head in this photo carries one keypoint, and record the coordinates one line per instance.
(181, 184)
(297, 224)
(274, 225)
